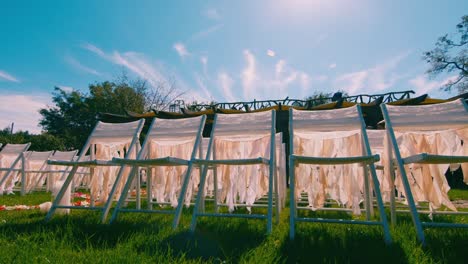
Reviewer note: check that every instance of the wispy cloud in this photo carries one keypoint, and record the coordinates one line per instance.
(204, 62)
(260, 82)
(424, 86)
(75, 63)
(332, 66)
(226, 83)
(377, 78)
(211, 13)
(181, 49)
(137, 63)
(67, 89)
(271, 53)
(93, 49)
(249, 75)
(6, 76)
(205, 32)
(201, 82)
(23, 110)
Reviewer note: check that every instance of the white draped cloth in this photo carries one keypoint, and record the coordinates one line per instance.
(242, 184)
(6, 161)
(167, 180)
(103, 177)
(427, 181)
(342, 183)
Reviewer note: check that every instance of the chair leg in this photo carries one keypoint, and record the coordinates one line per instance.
(201, 188)
(60, 194)
(277, 197)
(149, 187)
(123, 195)
(107, 206)
(380, 204)
(183, 191)
(292, 199)
(366, 192)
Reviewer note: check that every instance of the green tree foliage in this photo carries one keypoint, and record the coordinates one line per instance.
(451, 56)
(74, 114)
(42, 142)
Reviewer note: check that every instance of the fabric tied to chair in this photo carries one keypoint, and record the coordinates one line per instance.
(103, 177)
(427, 181)
(167, 180)
(6, 161)
(242, 184)
(341, 183)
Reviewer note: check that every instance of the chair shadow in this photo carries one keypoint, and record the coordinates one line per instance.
(449, 246)
(340, 244)
(214, 240)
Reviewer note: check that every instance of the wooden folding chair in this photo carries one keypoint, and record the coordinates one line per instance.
(106, 141)
(240, 131)
(10, 156)
(448, 121)
(331, 146)
(168, 152)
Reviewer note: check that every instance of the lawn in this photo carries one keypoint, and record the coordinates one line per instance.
(145, 238)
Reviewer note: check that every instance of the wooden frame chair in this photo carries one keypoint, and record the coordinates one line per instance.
(100, 143)
(316, 126)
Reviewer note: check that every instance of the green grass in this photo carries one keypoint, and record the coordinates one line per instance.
(457, 194)
(145, 238)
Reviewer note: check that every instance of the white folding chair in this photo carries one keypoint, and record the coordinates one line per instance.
(168, 151)
(10, 156)
(34, 168)
(424, 140)
(238, 140)
(330, 157)
(106, 141)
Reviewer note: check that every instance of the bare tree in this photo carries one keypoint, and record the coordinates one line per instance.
(451, 56)
(162, 95)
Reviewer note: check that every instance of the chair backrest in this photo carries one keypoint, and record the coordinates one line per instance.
(37, 156)
(14, 149)
(170, 133)
(248, 124)
(247, 135)
(434, 117)
(113, 133)
(174, 129)
(64, 155)
(328, 125)
(344, 119)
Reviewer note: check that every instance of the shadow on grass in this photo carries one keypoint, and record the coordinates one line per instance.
(340, 243)
(218, 240)
(448, 246)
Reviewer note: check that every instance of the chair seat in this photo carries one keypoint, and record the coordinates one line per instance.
(336, 160)
(166, 161)
(258, 160)
(425, 158)
(88, 163)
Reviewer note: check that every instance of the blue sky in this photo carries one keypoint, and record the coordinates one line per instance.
(218, 50)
